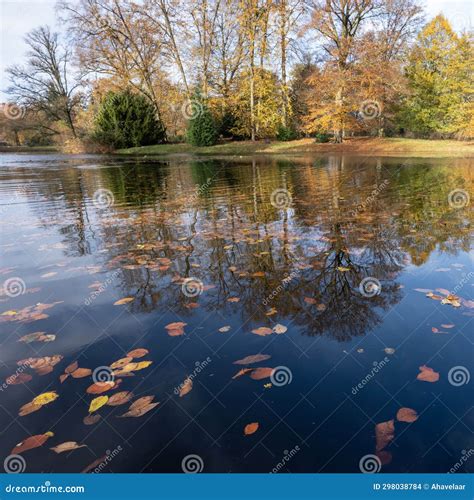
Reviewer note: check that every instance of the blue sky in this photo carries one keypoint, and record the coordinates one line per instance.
(17, 17)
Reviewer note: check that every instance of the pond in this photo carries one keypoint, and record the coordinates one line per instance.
(278, 311)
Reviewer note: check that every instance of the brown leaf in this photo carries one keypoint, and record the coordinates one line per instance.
(384, 456)
(406, 415)
(100, 387)
(94, 464)
(187, 386)
(262, 331)
(427, 374)
(120, 363)
(140, 402)
(384, 434)
(255, 358)
(261, 373)
(138, 412)
(251, 428)
(137, 353)
(81, 373)
(31, 442)
(67, 446)
(91, 419)
(28, 408)
(279, 329)
(120, 398)
(242, 372)
(310, 300)
(18, 378)
(63, 377)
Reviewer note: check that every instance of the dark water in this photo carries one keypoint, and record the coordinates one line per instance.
(296, 259)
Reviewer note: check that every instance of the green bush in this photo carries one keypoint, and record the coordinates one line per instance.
(127, 120)
(202, 128)
(286, 133)
(321, 137)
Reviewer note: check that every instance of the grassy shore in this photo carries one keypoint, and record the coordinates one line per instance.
(356, 146)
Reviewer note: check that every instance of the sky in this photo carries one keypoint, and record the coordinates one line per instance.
(17, 17)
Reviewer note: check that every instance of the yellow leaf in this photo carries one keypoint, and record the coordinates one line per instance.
(97, 403)
(125, 300)
(45, 398)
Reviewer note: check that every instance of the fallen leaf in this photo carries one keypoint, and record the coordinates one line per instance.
(125, 300)
(310, 300)
(81, 373)
(67, 446)
(138, 412)
(72, 367)
(261, 373)
(91, 419)
(94, 464)
(233, 299)
(100, 387)
(18, 378)
(137, 353)
(186, 387)
(447, 325)
(119, 398)
(45, 398)
(255, 358)
(31, 442)
(279, 329)
(242, 372)
(140, 402)
(262, 331)
(427, 374)
(224, 329)
(251, 428)
(407, 415)
(384, 434)
(385, 457)
(97, 403)
(28, 408)
(389, 350)
(120, 363)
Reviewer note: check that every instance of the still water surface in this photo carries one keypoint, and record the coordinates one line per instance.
(228, 247)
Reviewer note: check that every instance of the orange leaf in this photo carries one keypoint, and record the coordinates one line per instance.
(384, 434)
(251, 428)
(427, 374)
(261, 373)
(31, 442)
(262, 331)
(125, 300)
(406, 415)
(186, 387)
(255, 358)
(81, 373)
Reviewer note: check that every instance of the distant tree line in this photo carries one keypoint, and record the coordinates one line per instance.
(241, 69)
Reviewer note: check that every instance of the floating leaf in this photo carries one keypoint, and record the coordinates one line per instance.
(72, 367)
(140, 402)
(123, 301)
(255, 358)
(28, 408)
(91, 419)
(120, 363)
(407, 415)
(37, 337)
(186, 387)
(81, 373)
(384, 434)
(176, 329)
(427, 374)
(242, 372)
(97, 403)
(138, 412)
(310, 300)
(447, 325)
(343, 269)
(119, 398)
(100, 387)
(279, 329)
(224, 329)
(18, 378)
(67, 446)
(262, 331)
(251, 428)
(31, 442)
(261, 373)
(137, 353)
(389, 350)
(233, 299)
(45, 398)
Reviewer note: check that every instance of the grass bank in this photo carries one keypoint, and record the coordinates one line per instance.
(356, 146)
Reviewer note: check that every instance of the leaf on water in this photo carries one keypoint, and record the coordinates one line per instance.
(251, 428)
(45, 398)
(49, 275)
(271, 311)
(258, 274)
(91, 419)
(72, 367)
(28, 408)
(279, 329)
(255, 358)
(261, 373)
(434, 330)
(447, 325)
(443, 291)
(37, 337)
(423, 290)
(138, 412)
(120, 398)
(343, 269)
(233, 299)
(97, 403)
(384, 434)
(407, 415)
(120, 363)
(137, 353)
(187, 386)
(242, 372)
(140, 402)
(389, 350)
(310, 300)
(123, 301)
(224, 329)
(100, 387)
(176, 329)
(262, 331)
(18, 378)
(31, 442)
(81, 373)
(427, 374)
(94, 464)
(67, 446)
(385, 457)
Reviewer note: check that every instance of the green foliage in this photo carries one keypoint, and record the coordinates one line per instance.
(127, 120)
(439, 73)
(286, 133)
(202, 128)
(321, 137)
